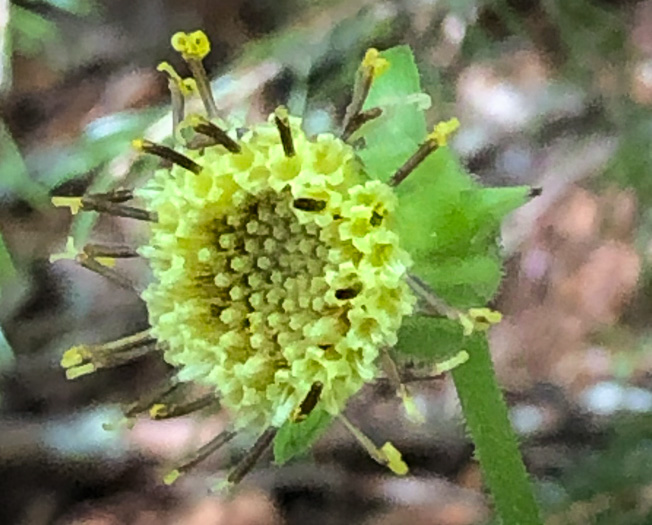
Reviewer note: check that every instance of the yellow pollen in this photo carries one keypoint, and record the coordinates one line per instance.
(443, 131)
(191, 46)
(375, 62)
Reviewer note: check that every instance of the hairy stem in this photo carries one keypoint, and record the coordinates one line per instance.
(496, 446)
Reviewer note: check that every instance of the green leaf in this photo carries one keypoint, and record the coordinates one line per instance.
(450, 226)
(15, 178)
(393, 137)
(429, 339)
(295, 438)
(7, 268)
(31, 32)
(463, 282)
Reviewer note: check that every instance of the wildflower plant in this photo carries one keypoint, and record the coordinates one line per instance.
(289, 270)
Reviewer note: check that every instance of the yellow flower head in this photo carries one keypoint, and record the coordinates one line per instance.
(274, 272)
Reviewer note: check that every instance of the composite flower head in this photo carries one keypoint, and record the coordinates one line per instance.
(274, 270)
(277, 273)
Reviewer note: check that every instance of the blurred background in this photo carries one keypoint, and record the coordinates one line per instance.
(552, 93)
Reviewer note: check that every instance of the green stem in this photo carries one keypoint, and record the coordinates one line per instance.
(496, 447)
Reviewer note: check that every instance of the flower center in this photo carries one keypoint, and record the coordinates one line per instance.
(269, 269)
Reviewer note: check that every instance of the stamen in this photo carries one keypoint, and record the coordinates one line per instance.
(85, 359)
(96, 266)
(306, 204)
(100, 204)
(387, 455)
(76, 204)
(438, 138)
(358, 120)
(389, 366)
(206, 127)
(371, 67)
(436, 305)
(97, 251)
(193, 48)
(283, 124)
(453, 362)
(309, 403)
(200, 455)
(479, 319)
(119, 195)
(160, 393)
(168, 411)
(252, 456)
(179, 88)
(100, 265)
(167, 153)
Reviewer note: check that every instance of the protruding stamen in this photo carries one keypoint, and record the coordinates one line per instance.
(193, 48)
(76, 203)
(253, 455)
(117, 210)
(371, 67)
(394, 377)
(374, 62)
(170, 410)
(101, 265)
(479, 319)
(386, 455)
(447, 365)
(179, 88)
(358, 120)
(105, 271)
(283, 124)
(200, 455)
(435, 305)
(98, 251)
(159, 394)
(306, 204)
(85, 359)
(167, 153)
(438, 138)
(206, 127)
(309, 403)
(118, 196)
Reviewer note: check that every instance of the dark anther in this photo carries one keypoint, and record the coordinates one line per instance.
(376, 219)
(283, 124)
(309, 204)
(106, 250)
(206, 127)
(347, 293)
(101, 205)
(245, 465)
(310, 402)
(119, 195)
(168, 154)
